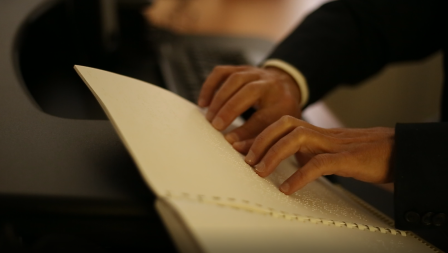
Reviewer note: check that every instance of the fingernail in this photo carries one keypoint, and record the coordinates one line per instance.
(209, 116)
(250, 157)
(284, 187)
(239, 144)
(261, 167)
(232, 137)
(218, 123)
(201, 102)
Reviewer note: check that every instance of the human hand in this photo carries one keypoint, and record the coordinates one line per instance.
(364, 154)
(231, 90)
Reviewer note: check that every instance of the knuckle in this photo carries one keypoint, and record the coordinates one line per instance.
(253, 88)
(275, 150)
(303, 137)
(236, 76)
(301, 132)
(285, 118)
(219, 68)
(288, 120)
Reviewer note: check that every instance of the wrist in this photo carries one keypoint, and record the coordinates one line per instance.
(295, 74)
(287, 79)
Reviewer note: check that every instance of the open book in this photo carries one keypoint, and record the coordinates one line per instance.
(212, 201)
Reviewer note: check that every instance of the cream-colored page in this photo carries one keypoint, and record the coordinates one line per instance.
(180, 154)
(221, 229)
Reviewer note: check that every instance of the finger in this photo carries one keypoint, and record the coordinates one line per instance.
(300, 140)
(269, 137)
(235, 106)
(373, 133)
(243, 146)
(230, 87)
(324, 164)
(275, 132)
(253, 126)
(213, 81)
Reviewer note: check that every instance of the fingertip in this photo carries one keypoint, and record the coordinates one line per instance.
(232, 138)
(202, 102)
(242, 146)
(239, 145)
(285, 187)
(218, 123)
(209, 115)
(261, 169)
(250, 157)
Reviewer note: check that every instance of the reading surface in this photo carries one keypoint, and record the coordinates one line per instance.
(179, 152)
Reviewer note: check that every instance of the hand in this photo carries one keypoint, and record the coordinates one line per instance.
(231, 90)
(364, 154)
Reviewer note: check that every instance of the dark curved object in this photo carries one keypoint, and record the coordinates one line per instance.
(47, 157)
(64, 173)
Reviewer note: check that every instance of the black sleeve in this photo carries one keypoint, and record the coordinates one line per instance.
(347, 41)
(421, 173)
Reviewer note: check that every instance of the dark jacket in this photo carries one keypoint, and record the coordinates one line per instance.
(346, 41)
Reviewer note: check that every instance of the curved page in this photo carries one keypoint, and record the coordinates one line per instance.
(180, 154)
